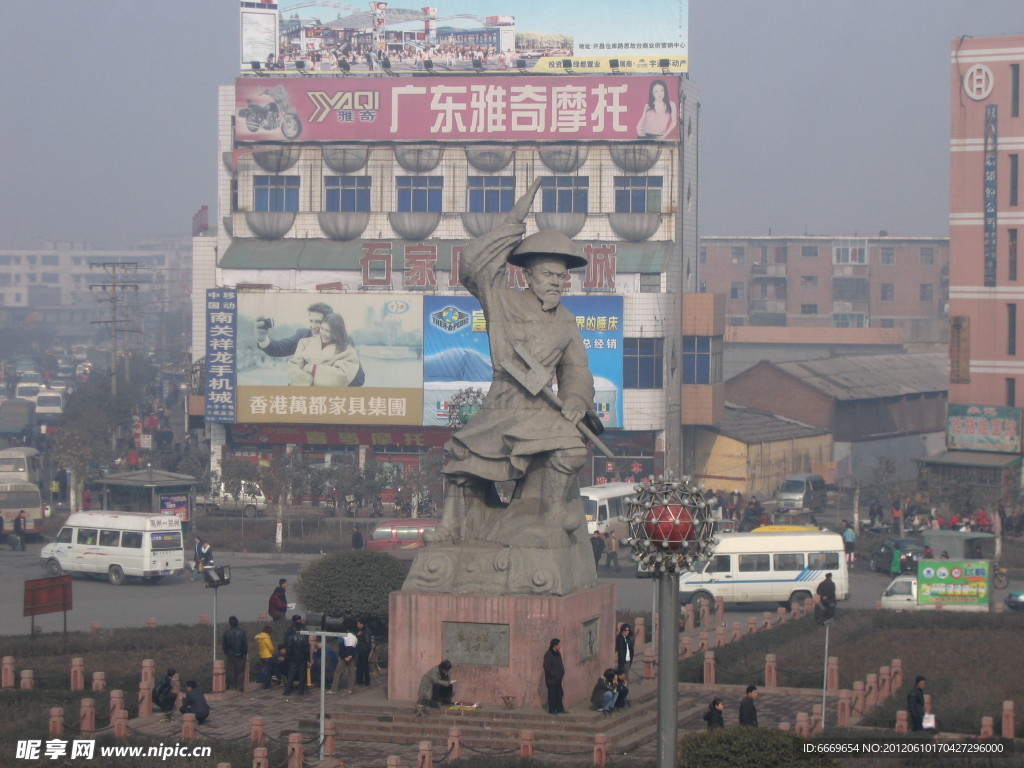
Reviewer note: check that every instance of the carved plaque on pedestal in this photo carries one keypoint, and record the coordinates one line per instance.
(590, 642)
(472, 643)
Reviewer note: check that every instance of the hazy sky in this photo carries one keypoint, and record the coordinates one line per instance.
(817, 117)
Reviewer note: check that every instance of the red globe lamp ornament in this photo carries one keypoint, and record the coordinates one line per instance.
(669, 525)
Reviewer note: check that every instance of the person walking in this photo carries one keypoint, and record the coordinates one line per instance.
(714, 717)
(748, 710)
(554, 672)
(265, 648)
(915, 704)
(236, 652)
(20, 527)
(277, 606)
(597, 544)
(827, 593)
(611, 552)
(849, 542)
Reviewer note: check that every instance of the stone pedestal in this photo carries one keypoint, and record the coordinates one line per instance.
(497, 643)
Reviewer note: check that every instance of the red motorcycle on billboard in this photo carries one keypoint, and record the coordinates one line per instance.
(269, 117)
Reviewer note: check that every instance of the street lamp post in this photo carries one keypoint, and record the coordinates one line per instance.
(215, 578)
(671, 530)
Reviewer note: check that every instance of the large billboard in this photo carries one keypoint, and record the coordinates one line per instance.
(258, 31)
(983, 428)
(946, 582)
(467, 108)
(285, 373)
(457, 358)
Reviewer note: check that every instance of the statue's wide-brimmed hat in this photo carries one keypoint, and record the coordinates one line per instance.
(548, 242)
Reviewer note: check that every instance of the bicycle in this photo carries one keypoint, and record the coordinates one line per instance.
(1000, 576)
(379, 656)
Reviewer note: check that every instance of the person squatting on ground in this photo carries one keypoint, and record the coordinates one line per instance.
(605, 692)
(236, 653)
(436, 686)
(194, 702)
(163, 692)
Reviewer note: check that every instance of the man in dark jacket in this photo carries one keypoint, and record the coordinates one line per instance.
(194, 702)
(748, 712)
(163, 692)
(915, 704)
(20, 527)
(624, 651)
(236, 651)
(554, 671)
(298, 656)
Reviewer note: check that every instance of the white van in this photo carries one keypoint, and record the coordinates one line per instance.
(762, 567)
(603, 504)
(119, 544)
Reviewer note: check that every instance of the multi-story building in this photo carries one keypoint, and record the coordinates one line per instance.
(986, 279)
(360, 190)
(831, 282)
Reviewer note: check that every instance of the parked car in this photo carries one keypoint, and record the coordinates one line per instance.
(250, 502)
(405, 533)
(911, 550)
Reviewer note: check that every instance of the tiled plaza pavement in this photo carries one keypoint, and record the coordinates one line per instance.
(232, 716)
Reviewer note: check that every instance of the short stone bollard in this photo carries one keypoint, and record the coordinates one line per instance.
(709, 668)
(152, 623)
(785, 725)
(928, 703)
(751, 625)
(639, 635)
(119, 721)
(843, 708)
(94, 627)
(116, 702)
(858, 696)
(56, 722)
(394, 761)
(262, 617)
(897, 674)
(260, 758)
(832, 674)
(719, 610)
(527, 744)
(884, 681)
(28, 682)
(705, 613)
(188, 727)
(258, 731)
(817, 725)
(99, 682)
(988, 729)
(771, 671)
(781, 614)
(87, 716)
(77, 674)
(704, 641)
(737, 631)
(601, 749)
(7, 673)
(204, 618)
(902, 724)
(871, 690)
(720, 636)
(1008, 719)
(803, 726)
(330, 738)
(454, 743)
(148, 671)
(766, 620)
(219, 677)
(648, 664)
(145, 700)
(689, 617)
(425, 758)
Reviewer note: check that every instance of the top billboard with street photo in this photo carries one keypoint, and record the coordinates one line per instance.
(311, 358)
(527, 108)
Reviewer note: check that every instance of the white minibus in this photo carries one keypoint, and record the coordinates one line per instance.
(762, 567)
(119, 544)
(603, 504)
(22, 462)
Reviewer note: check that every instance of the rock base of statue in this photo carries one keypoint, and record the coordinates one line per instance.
(497, 643)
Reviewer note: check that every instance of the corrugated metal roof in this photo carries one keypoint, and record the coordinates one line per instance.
(865, 377)
(752, 426)
(766, 334)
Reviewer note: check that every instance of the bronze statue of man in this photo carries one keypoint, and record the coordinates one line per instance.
(518, 434)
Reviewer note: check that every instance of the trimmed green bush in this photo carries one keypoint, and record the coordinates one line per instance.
(354, 584)
(741, 747)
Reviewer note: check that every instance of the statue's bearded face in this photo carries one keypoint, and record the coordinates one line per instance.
(546, 276)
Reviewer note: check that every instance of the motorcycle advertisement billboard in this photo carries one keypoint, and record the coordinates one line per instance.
(468, 108)
(457, 358)
(311, 358)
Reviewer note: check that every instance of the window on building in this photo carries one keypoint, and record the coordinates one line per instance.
(642, 363)
(886, 322)
(808, 281)
(736, 321)
(888, 254)
(32, 277)
(781, 254)
(1014, 179)
(849, 320)
(808, 309)
(1011, 329)
(565, 194)
(843, 254)
(764, 254)
(650, 282)
(735, 290)
(927, 255)
(419, 194)
(703, 255)
(76, 260)
(1015, 90)
(702, 360)
(30, 259)
(275, 193)
(50, 260)
(888, 292)
(809, 251)
(927, 291)
(347, 194)
(491, 194)
(1011, 392)
(739, 254)
(1011, 253)
(50, 277)
(638, 194)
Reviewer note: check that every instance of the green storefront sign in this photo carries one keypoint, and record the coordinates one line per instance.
(953, 582)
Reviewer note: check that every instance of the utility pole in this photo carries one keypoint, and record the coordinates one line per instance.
(121, 278)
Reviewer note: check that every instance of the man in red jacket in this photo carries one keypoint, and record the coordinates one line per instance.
(278, 605)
